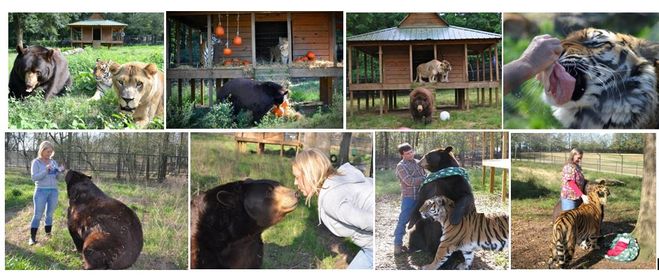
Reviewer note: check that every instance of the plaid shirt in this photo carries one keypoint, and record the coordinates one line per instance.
(411, 175)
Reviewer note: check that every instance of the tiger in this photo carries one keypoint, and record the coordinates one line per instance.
(604, 80)
(476, 231)
(279, 53)
(103, 78)
(579, 225)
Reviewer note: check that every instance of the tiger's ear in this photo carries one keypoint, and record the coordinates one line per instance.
(115, 68)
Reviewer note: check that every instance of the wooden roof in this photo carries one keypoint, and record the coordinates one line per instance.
(97, 20)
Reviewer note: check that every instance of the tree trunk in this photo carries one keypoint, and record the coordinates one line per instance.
(344, 151)
(645, 228)
(162, 171)
(18, 22)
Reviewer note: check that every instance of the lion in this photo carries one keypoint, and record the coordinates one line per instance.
(431, 69)
(139, 87)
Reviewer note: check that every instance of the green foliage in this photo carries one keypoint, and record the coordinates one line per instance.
(74, 110)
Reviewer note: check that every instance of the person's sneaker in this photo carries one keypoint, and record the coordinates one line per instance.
(32, 242)
(399, 249)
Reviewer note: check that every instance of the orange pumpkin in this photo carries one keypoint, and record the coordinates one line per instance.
(227, 63)
(245, 62)
(219, 31)
(284, 104)
(311, 55)
(227, 51)
(237, 40)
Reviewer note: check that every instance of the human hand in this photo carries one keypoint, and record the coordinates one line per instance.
(585, 199)
(541, 53)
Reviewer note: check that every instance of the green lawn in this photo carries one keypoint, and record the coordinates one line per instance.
(162, 210)
(477, 117)
(74, 111)
(297, 241)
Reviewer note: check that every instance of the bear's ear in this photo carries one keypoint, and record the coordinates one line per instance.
(115, 68)
(49, 54)
(226, 199)
(448, 149)
(151, 69)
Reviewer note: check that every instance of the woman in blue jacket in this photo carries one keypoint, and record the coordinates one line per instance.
(45, 173)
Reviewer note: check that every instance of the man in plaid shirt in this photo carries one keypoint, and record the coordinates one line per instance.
(411, 176)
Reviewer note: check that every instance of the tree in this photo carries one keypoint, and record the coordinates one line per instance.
(344, 151)
(645, 228)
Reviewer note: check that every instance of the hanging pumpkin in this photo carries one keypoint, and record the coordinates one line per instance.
(237, 40)
(227, 51)
(219, 31)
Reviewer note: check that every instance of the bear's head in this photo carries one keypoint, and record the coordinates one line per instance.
(265, 201)
(35, 65)
(439, 159)
(421, 100)
(276, 91)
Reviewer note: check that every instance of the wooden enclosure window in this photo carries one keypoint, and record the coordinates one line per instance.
(267, 36)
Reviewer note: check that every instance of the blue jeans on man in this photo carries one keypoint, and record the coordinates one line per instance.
(406, 207)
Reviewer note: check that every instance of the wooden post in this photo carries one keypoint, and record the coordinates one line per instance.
(169, 88)
(253, 38)
(326, 90)
(484, 139)
(350, 78)
(492, 170)
(381, 70)
(478, 78)
(332, 47)
(189, 45)
(290, 38)
(381, 102)
(466, 92)
(180, 92)
(193, 83)
(504, 156)
(489, 61)
(208, 39)
(496, 70)
(434, 49)
(177, 39)
(357, 80)
(483, 89)
(411, 65)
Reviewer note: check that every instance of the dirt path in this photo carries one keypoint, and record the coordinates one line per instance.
(530, 246)
(387, 208)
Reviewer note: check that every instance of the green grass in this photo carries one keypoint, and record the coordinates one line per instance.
(74, 111)
(535, 185)
(162, 211)
(632, 164)
(477, 117)
(297, 241)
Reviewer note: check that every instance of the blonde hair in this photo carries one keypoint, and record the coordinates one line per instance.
(43, 145)
(315, 168)
(574, 152)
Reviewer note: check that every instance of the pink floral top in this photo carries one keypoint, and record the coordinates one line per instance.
(572, 172)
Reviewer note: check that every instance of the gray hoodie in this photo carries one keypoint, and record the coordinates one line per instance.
(345, 205)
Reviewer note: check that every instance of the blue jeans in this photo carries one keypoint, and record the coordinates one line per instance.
(44, 199)
(363, 259)
(567, 204)
(406, 207)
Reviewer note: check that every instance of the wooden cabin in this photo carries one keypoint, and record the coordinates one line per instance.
(262, 139)
(317, 32)
(97, 31)
(383, 63)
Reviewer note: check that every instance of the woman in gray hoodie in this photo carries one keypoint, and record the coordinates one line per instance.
(345, 200)
(44, 172)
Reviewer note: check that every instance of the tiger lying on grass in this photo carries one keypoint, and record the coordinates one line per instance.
(476, 231)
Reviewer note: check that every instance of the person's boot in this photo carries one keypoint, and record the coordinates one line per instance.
(33, 236)
(48, 230)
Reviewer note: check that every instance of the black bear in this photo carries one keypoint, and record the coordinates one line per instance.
(254, 96)
(422, 104)
(227, 221)
(106, 231)
(427, 233)
(37, 66)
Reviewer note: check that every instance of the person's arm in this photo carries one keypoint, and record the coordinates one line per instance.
(538, 56)
(346, 212)
(406, 177)
(36, 173)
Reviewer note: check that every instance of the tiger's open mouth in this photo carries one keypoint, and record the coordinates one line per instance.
(580, 80)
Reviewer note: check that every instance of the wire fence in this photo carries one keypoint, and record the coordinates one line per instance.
(624, 164)
(129, 166)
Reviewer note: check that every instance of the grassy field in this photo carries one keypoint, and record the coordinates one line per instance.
(478, 117)
(629, 164)
(535, 189)
(193, 114)
(74, 110)
(297, 241)
(162, 210)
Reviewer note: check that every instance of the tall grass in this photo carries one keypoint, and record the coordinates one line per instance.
(162, 210)
(297, 241)
(74, 111)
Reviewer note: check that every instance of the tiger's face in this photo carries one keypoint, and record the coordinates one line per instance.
(436, 208)
(600, 192)
(102, 72)
(614, 81)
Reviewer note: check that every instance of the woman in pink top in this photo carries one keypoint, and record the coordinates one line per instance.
(574, 183)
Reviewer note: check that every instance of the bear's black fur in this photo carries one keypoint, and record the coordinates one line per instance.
(42, 67)
(422, 104)
(427, 233)
(106, 231)
(227, 221)
(254, 96)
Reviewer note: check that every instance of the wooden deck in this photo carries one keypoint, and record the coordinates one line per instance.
(248, 72)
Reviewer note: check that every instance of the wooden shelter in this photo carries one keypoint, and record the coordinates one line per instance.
(384, 62)
(97, 31)
(262, 139)
(318, 32)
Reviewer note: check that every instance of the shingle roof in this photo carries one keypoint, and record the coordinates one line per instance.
(96, 22)
(424, 33)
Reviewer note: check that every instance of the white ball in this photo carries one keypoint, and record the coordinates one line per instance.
(444, 115)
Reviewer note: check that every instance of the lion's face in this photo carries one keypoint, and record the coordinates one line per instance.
(132, 82)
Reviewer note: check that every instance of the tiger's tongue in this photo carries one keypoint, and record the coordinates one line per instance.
(561, 84)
